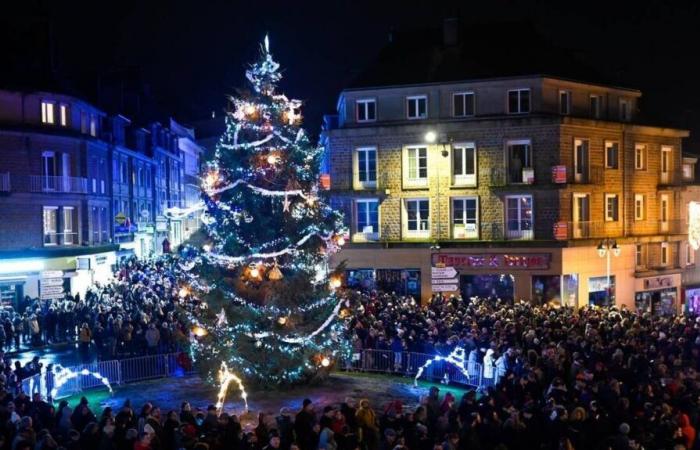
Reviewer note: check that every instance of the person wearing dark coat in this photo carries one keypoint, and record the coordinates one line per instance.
(305, 427)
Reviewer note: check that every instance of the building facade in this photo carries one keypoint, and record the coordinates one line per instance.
(80, 189)
(518, 184)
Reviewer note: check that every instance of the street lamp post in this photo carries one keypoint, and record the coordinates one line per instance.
(606, 249)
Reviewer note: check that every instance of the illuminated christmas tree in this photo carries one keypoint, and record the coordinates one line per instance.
(269, 308)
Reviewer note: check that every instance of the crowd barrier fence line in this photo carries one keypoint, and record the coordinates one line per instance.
(143, 368)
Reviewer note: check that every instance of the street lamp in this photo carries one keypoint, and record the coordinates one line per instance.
(606, 249)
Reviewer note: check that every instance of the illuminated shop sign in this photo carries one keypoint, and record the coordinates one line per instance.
(513, 261)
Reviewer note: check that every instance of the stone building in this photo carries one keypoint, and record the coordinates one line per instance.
(519, 183)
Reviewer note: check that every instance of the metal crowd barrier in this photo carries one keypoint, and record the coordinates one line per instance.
(142, 368)
(408, 363)
(118, 372)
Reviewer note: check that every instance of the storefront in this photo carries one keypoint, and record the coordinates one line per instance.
(601, 291)
(658, 296)
(400, 281)
(488, 286)
(692, 300)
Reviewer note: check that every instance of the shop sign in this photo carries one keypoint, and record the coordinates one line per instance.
(46, 282)
(99, 260)
(658, 282)
(512, 261)
(559, 174)
(561, 231)
(445, 288)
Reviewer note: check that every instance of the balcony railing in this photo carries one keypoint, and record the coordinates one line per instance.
(5, 182)
(73, 185)
(68, 238)
(589, 175)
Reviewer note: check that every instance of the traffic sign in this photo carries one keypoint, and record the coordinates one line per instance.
(443, 272)
(445, 287)
(120, 218)
(52, 274)
(445, 281)
(45, 282)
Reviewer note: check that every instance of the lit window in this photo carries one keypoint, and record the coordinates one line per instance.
(518, 101)
(417, 217)
(612, 151)
(520, 169)
(664, 208)
(465, 218)
(416, 167)
(68, 232)
(638, 255)
(640, 156)
(366, 110)
(417, 107)
(93, 125)
(463, 104)
(65, 114)
(638, 206)
(365, 167)
(564, 102)
(612, 207)
(367, 219)
(50, 225)
(519, 217)
(47, 112)
(464, 164)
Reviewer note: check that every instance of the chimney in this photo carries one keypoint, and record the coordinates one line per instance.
(450, 31)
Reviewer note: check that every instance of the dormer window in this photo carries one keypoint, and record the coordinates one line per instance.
(64, 114)
(47, 112)
(518, 101)
(625, 110)
(564, 102)
(366, 110)
(417, 107)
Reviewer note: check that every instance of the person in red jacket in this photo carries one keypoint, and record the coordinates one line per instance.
(687, 430)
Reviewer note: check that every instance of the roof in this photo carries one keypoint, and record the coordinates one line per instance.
(481, 51)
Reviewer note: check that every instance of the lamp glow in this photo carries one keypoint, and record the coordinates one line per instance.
(325, 362)
(430, 137)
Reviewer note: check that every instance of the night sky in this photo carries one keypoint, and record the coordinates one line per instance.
(191, 53)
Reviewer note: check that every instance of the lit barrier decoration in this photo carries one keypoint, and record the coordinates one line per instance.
(64, 374)
(457, 358)
(226, 377)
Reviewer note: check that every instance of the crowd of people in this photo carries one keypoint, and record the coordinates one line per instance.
(135, 314)
(551, 378)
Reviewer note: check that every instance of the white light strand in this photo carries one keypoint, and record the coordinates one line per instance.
(457, 358)
(226, 377)
(259, 190)
(65, 374)
(302, 339)
(257, 143)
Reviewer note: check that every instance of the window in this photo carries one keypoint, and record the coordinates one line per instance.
(124, 178)
(688, 172)
(93, 124)
(581, 226)
(520, 168)
(416, 164)
(625, 110)
(564, 102)
(465, 218)
(581, 160)
(417, 107)
(64, 114)
(612, 207)
(638, 206)
(365, 167)
(639, 255)
(640, 156)
(596, 102)
(665, 164)
(47, 112)
(463, 104)
(83, 122)
(664, 207)
(464, 164)
(367, 219)
(68, 234)
(366, 110)
(518, 101)
(50, 225)
(664, 253)
(689, 255)
(519, 217)
(417, 217)
(612, 152)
